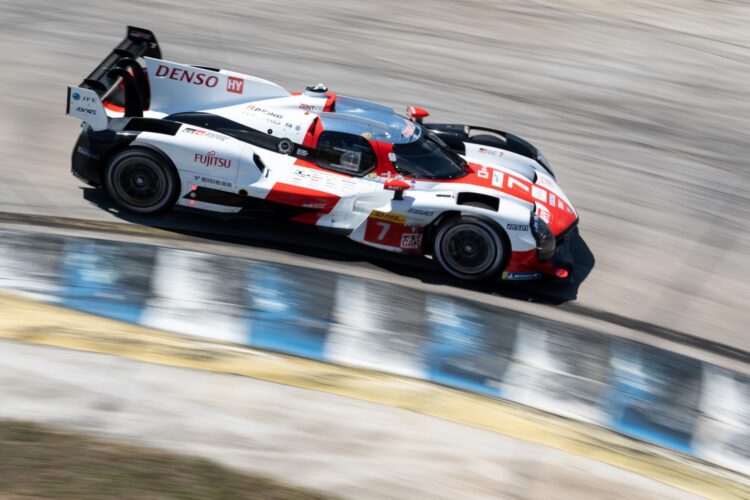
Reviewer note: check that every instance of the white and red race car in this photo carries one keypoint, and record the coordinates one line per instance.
(155, 134)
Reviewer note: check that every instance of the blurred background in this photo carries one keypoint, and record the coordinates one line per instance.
(641, 107)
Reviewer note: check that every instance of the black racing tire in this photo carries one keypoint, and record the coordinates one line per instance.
(141, 181)
(471, 248)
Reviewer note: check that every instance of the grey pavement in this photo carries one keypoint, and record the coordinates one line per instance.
(642, 107)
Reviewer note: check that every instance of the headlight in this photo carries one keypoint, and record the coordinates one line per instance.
(545, 240)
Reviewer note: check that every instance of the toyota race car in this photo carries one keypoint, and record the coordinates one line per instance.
(483, 203)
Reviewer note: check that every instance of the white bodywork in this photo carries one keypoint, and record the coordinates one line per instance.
(210, 159)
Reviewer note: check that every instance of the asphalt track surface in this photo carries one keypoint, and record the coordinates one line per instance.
(642, 108)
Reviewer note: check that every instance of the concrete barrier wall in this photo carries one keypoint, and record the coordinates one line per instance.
(642, 391)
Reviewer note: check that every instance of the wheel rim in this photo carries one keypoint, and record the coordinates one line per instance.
(469, 249)
(140, 182)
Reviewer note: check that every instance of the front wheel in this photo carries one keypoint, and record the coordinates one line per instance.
(141, 181)
(470, 248)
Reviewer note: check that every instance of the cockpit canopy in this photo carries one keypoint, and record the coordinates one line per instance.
(370, 120)
(345, 144)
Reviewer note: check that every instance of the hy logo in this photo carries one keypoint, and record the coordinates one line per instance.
(236, 85)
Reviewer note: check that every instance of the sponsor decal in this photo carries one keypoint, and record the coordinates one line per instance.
(552, 199)
(211, 160)
(78, 97)
(389, 230)
(235, 85)
(80, 109)
(517, 227)
(539, 193)
(215, 182)
(309, 107)
(417, 211)
(318, 206)
(205, 133)
(483, 173)
(497, 179)
(521, 276)
(187, 76)
(543, 213)
(252, 108)
(411, 240)
(302, 152)
(386, 216)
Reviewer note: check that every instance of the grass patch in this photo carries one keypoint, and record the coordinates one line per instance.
(44, 463)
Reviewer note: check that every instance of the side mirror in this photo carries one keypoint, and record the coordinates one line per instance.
(416, 114)
(397, 185)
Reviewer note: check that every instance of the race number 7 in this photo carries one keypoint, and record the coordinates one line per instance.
(384, 227)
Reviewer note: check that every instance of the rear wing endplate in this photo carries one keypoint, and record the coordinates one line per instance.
(121, 67)
(86, 105)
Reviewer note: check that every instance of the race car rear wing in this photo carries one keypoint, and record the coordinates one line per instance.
(133, 78)
(119, 68)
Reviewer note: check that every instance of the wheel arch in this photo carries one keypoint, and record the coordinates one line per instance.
(144, 146)
(491, 225)
(431, 229)
(162, 157)
(128, 133)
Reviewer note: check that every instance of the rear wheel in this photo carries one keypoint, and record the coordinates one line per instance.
(141, 181)
(470, 248)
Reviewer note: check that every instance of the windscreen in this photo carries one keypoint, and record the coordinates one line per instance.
(428, 158)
